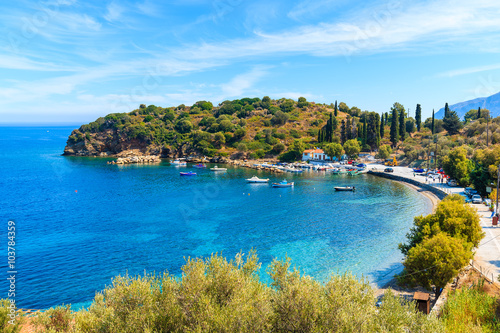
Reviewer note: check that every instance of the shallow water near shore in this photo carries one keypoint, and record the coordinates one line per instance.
(80, 221)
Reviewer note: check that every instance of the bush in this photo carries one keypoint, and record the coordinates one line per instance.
(5, 311)
(57, 319)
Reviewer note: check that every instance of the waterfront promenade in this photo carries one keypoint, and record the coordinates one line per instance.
(487, 254)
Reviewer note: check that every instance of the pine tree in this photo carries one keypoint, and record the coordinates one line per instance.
(432, 123)
(402, 125)
(336, 109)
(418, 117)
(394, 127)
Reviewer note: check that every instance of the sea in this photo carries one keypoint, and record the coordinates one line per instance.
(80, 222)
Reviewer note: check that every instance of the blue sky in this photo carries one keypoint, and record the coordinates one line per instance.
(71, 61)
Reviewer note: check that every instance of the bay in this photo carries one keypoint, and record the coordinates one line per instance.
(80, 221)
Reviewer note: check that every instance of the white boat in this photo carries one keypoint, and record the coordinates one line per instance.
(216, 168)
(178, 162)
(256, 179)
(345, 188)
(283, 183)
(293, 170)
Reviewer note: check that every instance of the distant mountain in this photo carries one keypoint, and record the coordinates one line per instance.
(491, 103)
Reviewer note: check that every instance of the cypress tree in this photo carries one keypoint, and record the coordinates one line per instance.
(348, 129)
(478, 112)
(386, 118)
(319, 135)
(446, 110)
(432, 123)
(394, 127)
(402, 125)
(364, 137)
(418, 117)
(377, 126)
(336, 109)
(382, 127)
(335, 124)
(342, 132)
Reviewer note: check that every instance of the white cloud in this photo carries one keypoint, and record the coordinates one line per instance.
(114, 12)
(241, 83)
(469, 70)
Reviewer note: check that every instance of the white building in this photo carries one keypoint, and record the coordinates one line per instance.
(314, 155)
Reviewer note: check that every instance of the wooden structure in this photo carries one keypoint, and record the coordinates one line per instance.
(423, 301)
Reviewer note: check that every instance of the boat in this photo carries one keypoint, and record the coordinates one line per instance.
(256, 179)
(216, 168)
(200, 165)
(289, 169)
(283, 183)
(190, 173)
(345, 188)
(178, 162)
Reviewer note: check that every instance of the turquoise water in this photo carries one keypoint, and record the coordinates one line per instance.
(80, 221)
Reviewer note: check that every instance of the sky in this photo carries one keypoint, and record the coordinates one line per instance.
(72, 61)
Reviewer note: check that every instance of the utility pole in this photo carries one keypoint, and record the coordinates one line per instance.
(498, 181)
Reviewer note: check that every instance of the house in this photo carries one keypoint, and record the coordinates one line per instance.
(314, 155)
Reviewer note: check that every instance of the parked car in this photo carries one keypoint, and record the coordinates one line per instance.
(452, 182)
(388, 170)
(361, 165)
(476, 199)
(472, 193)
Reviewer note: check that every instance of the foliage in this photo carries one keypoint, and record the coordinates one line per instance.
(452, 123)
(294, 152)
(302, 103)
(384, 152)
(280, 118)
(334, 150)
(472, 115)
(436, 260)
(418, 117)
(457, 165)
(216, 295)
(5, 310)
(352, 148)
(56, 319)
(453, 217)
(394, 124)
(287, 106)
(470, 310)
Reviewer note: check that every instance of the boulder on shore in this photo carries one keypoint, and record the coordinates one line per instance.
(137, 159)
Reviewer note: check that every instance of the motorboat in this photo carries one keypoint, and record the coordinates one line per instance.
(189, 173)
(283, 183)
(256, 179)
(178, 163)
(345, 188)
(200, 166)
(216, 168)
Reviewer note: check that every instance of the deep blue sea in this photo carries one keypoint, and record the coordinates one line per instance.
(81, 221)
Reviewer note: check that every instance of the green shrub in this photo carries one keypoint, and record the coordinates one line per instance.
(6, 319)
(56, 319)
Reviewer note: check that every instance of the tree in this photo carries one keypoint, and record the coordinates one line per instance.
(343, 137)
(382, 127)
(473, 114)
(457, 165)
(302, 103)
(452, 216)
(278, 148)
(287, 105)
(432, 124)
(348, 128)
(183, 126)
(219, 139)
(266, 102)
(294, 152)
(452, 123)
(384, 152)
(410, 125)
(242, 147)
(343, 107)
(446, 110)
(336, 109)
(418, 117)
(402, 125)
(334, 150)
(394, 127)
(352, 148)
(280, 118)
(437, 260)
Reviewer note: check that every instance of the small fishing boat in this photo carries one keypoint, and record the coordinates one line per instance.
(345, 188)
(200, 166)
(189, 173)
(216, 168)
(283, 183)
(256, 179)
(290, 169)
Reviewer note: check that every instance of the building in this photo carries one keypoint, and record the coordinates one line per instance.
(314, 155)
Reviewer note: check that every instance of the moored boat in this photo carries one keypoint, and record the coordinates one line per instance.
(178, 163)
(200, 165)
(256, 179)
(216, 168)
(283, 183)
(345, 188)
(189, 173)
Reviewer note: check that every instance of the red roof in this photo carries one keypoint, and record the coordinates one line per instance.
(313, 151)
